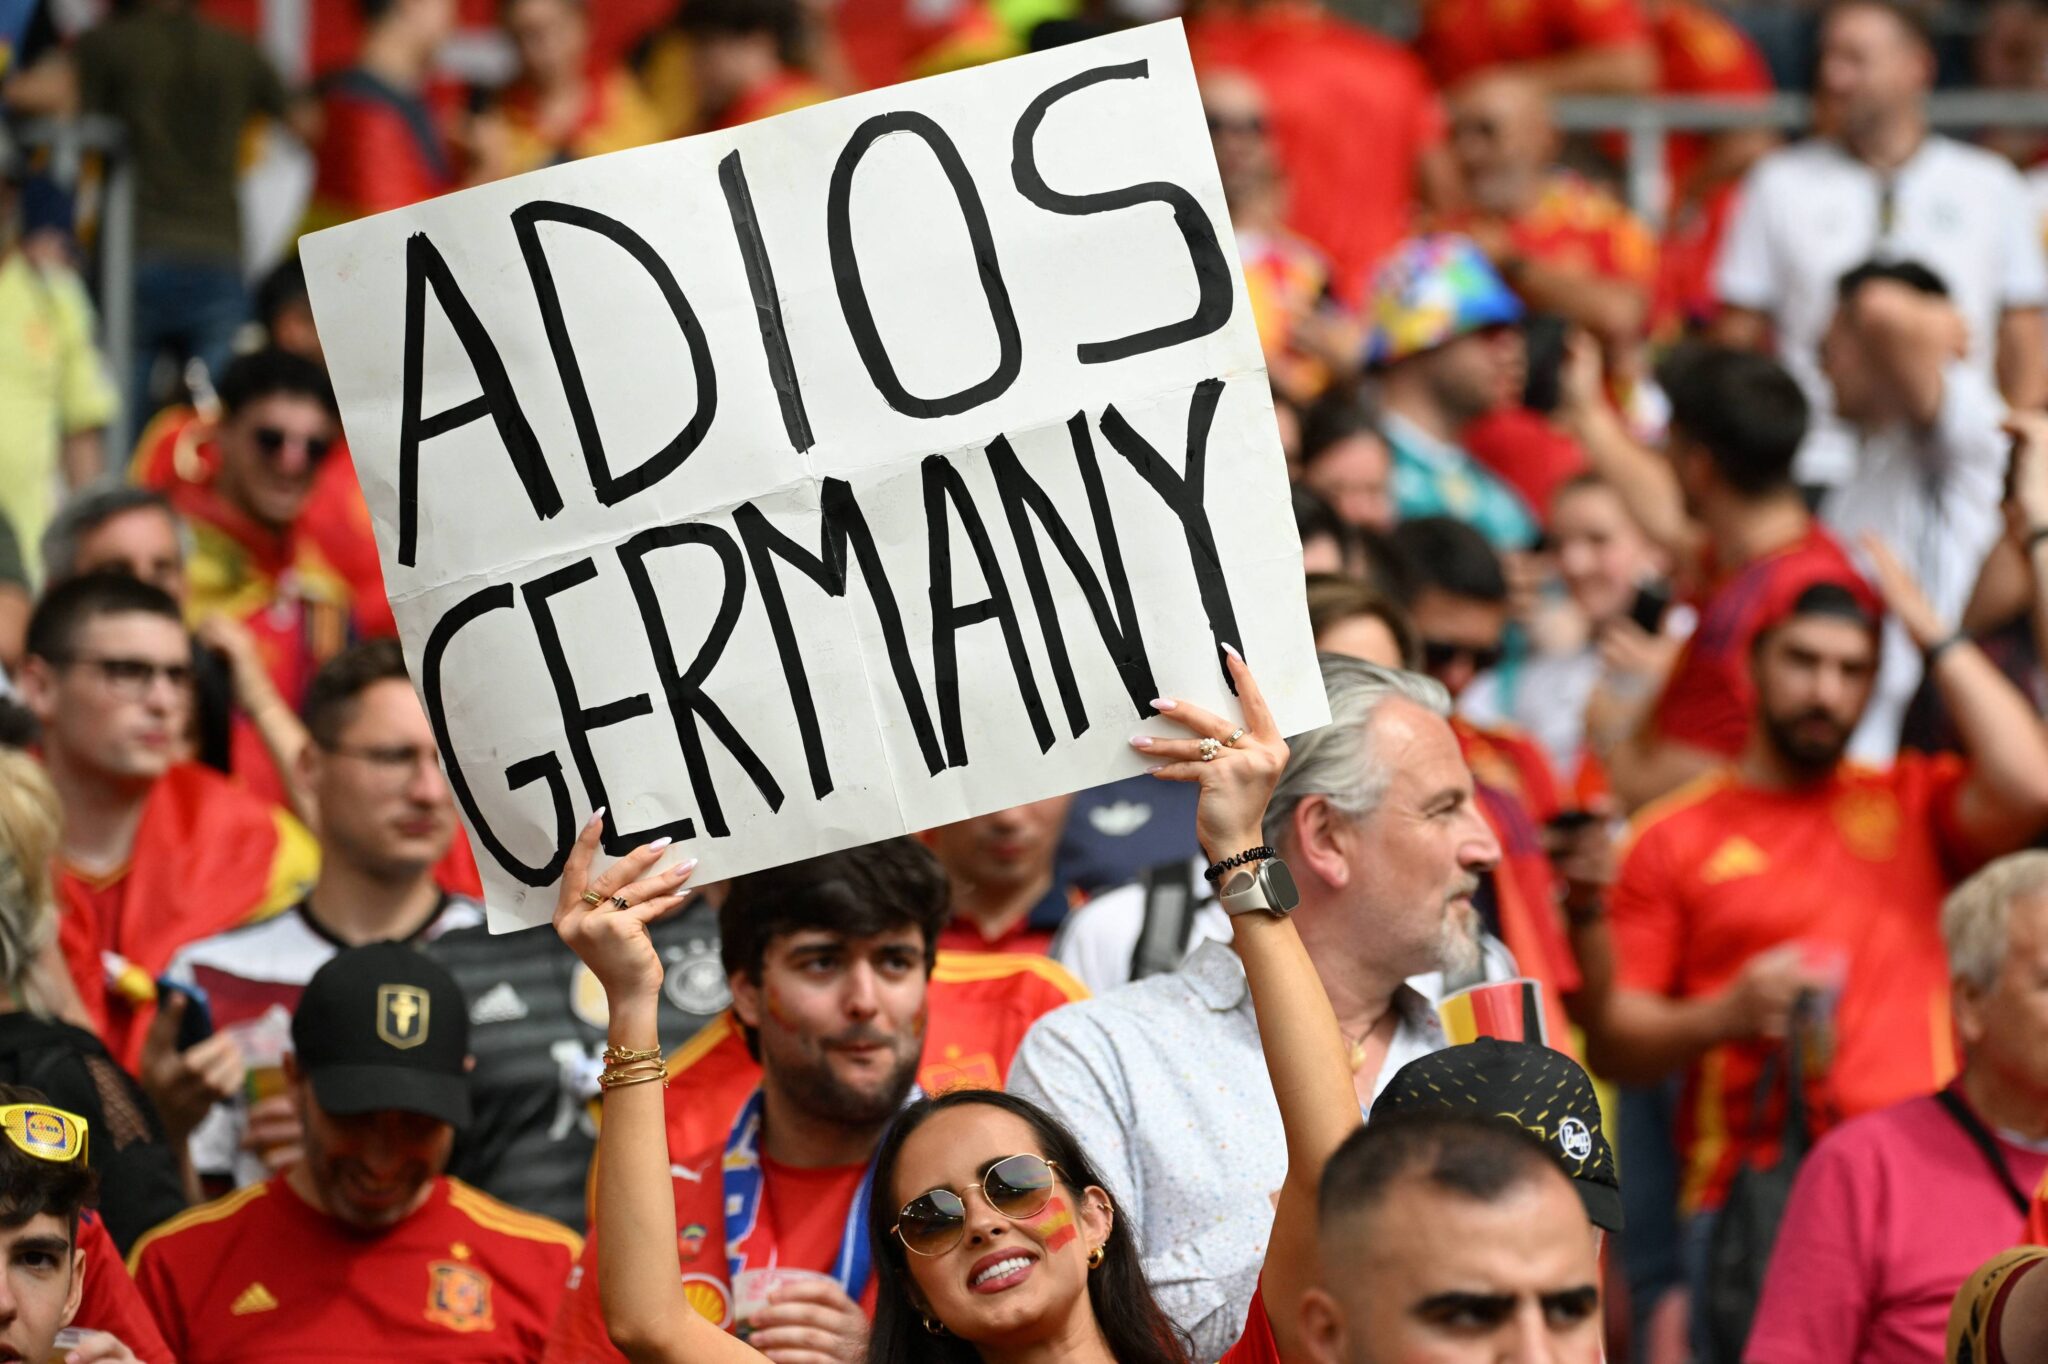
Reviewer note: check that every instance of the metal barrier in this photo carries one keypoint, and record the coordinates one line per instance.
(69, 144)
(1646, 122)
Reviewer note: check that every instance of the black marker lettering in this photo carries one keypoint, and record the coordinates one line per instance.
(614, 488)
(1182, 493)
(577, 719)
(840, 526)
(746, 226)
(685, 688)
(1121, 634)
(943, 484)
(853, 299)
(424, 268)
(1213, 271)
(545, 767)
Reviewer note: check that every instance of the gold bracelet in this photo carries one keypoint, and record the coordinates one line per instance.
(622, 1056)
(615, 1079)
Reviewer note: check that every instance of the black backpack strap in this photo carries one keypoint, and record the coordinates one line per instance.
(1790, 1061)
(1987, 1146)
(1169, 919)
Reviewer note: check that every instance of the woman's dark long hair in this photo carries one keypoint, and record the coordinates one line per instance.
(1137, 1331)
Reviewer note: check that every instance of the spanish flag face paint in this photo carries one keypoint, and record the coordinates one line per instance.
(1055, 1226)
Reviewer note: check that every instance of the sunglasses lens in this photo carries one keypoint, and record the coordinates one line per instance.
(1019, 1186)
(931, 1223)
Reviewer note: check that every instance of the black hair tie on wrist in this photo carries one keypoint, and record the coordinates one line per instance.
(1258, 854)
(1943, 645)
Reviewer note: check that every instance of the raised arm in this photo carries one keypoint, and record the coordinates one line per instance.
(1305, 1055)
(2004, 804)
(639, 1277)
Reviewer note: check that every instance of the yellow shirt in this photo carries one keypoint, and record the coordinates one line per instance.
(52, 385)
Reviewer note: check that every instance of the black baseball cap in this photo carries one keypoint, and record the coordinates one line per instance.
(1542, 1091)
(382, 1028)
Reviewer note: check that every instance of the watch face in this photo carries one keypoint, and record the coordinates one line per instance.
(1280, 887)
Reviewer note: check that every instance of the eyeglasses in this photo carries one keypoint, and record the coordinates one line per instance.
(1251, 126)
(1439, 654)
(44, 1132)
(130, 678)
(394, 763)
(934, 1221)
(271, 441)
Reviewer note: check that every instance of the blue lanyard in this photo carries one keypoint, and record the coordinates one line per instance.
(741, 1174)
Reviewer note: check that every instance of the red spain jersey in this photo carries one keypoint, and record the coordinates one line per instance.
(380, 148)
(800, 1227)
(1256, 1345)
(108, 1302)
(1709, 699)
(1576, 225)
(207, 856)
(1517, 793)
(980, 1006)
(1460, 38)
(1325, 79)
(1853, 870)
(261, 1275)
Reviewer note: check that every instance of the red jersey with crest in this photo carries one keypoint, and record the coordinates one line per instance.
(1461, 38)
(803, 1217)
(1710, 699)
(980, 1004)
(1854, 869)
(261, 1275)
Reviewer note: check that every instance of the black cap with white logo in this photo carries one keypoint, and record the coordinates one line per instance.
(1540, 1090)
(382, 1028)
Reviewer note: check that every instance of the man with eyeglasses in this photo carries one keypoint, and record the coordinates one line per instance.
(251, 558)
(1460, 607)
(386, 817)
(157, 852)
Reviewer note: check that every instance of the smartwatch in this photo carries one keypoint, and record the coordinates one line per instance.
(1268, 887)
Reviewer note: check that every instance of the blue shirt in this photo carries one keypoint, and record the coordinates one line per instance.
(1435, 478)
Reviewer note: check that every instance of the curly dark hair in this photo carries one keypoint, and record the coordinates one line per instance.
(1133, 1324)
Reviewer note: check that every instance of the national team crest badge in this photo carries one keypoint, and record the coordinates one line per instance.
(690, 1240)
(402, 1015)
(458, 1297)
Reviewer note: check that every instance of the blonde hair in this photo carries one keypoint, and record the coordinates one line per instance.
(31, 824)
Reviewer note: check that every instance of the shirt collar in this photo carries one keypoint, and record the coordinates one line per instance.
(1216, 976)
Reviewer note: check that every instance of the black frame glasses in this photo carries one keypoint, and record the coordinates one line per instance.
(271, 442)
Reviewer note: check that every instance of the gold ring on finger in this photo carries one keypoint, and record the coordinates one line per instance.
(1209, 748)
(622, 902)
(592, 898)
(1235, 735)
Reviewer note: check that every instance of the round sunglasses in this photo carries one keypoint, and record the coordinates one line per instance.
(1016, 1186)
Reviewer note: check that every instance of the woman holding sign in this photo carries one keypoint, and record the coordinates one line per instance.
(993, 1238)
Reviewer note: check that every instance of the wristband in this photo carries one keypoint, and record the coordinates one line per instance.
(1942, 646)
(1216, 869)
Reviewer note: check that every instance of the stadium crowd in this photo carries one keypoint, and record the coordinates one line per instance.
(1649, 961)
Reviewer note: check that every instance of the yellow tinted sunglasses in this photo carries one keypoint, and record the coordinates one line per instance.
(44, 1132)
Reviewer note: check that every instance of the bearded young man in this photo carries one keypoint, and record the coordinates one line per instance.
(1795, 881)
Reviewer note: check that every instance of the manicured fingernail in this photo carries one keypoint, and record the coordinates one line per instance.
(1154, 771)
(1141, 741)
(1164, 703)
(1232, 651)
(595, 815)
(683, 868)
(661, 843)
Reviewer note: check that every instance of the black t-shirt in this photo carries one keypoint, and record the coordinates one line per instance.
(125, 1142)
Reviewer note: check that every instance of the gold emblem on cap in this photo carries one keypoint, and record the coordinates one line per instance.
(402, 1015)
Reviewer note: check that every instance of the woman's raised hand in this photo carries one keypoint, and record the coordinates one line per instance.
(1239, 773)
(604, 918)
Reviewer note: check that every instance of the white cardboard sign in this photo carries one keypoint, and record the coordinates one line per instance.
(836, 476)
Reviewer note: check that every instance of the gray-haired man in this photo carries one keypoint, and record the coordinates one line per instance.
(1164, 1081)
